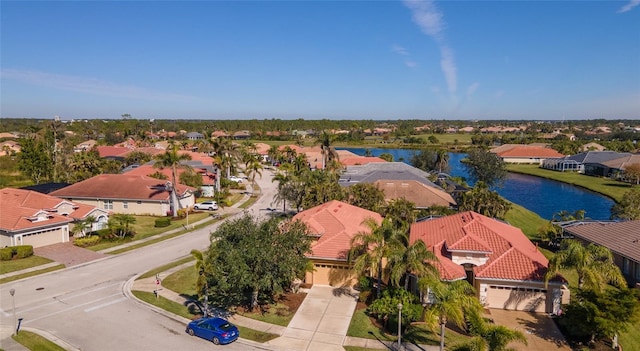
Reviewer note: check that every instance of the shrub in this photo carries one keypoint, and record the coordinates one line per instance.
(163, 222)
(87, 241)
(6, 253)
(23, 251)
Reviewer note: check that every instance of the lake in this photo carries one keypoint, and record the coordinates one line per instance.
(542, 196)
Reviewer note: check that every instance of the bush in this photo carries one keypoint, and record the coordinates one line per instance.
(163, 222)
(87, 241)
(6, 253)
(23, 251)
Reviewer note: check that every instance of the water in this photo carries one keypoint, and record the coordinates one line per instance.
(542, 196)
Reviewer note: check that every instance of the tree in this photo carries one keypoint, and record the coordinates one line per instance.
(369, 249)
(328, 153)
(191, 178)
(493, 338)
(448, 301)
(84, 165)
(253, 168)
(34, 161)
(485, 166)
(249, 261)
(119, 224)
(482, 200)
(593, 263)
(632, 172)
(366, 195)
(629, 206)
(172, 158)
(442, 161)
(202, 285)
(425, 160)
(386, 156)
(401, 212)
(406, 259)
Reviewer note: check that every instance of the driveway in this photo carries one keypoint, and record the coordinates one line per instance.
(67, 254)
(541, 331)
(321, 322)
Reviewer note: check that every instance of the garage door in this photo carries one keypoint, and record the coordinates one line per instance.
(334, 275)
(43, 238)
(517, 298)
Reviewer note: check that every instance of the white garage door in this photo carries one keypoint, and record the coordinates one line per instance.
(43, 238)
(329, 274)
(517, 298)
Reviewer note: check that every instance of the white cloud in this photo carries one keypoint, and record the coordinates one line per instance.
(472, 88)
(629, 6)
(399, 50)
(86, 85)
(430, 20)
(410, 64)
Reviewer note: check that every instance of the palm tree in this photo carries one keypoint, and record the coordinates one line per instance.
(172, 158)
(448, 301)
(593, 263)
(252, 168)
(369, 248)
(493, 338)
(442, 160)
(328, 153)
(202, 284)
(406, 259)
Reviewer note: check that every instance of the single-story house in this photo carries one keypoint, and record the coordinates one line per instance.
(131, 194)
(372, 172)
(9, 147)
(332, 226)
(420, 194)
(31, 218)
(195, 136)
(590, 162)
(622, 238)
(504, 267)
(530, 154)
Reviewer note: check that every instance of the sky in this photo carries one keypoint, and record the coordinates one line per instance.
(414, 59)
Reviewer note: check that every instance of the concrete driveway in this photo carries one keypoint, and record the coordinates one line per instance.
(321, 322)
(67, 254)
(541, 331)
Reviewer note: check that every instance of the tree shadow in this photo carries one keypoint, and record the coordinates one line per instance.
(543, 327)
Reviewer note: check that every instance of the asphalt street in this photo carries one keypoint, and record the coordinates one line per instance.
(86, 305)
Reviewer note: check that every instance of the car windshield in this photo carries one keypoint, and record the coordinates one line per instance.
(226, 326)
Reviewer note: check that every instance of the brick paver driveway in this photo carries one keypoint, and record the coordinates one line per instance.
(67, 254)
(541, 331)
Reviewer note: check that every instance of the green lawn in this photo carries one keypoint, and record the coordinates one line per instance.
(182, 281)
(611, 188)
(529, 222)
(167, 266)
(35, 342)
(31, 274)
(630, 339)
(23, 263)
(277, 314)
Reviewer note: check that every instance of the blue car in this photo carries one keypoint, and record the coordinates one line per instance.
(217, 330)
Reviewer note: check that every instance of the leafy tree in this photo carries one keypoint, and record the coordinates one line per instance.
(172, 158)
(485, 166)
(493, 338)
(137, 157)
(401, 212)
(34, 161)
(328, 152)
(386, 156)
(321, 186)
(442, 161)
(84, 165)
(448, 302)
(632, 172)
(425, 159)
(594, 315)
(593, 263)
(120, 223)
(366, 195)
(370, 248)
(387, 306)
(406, 259)
(249, 261)
(202, 284)
(482, 200)
(628, 207)
(191, 178)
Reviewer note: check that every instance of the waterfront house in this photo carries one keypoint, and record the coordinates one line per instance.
(506, 269)
(590, 163)
(421, 195)
(528, 154)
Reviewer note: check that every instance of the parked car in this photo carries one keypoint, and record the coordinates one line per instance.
(217, 330)
(207, 205)
(236, 179)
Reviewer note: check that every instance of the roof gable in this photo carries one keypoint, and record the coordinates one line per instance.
(422, 195)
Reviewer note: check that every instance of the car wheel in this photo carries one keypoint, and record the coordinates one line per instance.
(190, 331)
(210, 208)
(215, 340)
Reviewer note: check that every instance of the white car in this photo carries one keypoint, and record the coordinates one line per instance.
(236, 179)
(207, 205)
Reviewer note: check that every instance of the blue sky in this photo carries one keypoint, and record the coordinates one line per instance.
(321, 59)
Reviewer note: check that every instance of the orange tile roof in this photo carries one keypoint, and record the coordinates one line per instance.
(112, 151)
(359, 160)
(18, 208)
(511, 150)
(336, 222)
(510, 254)
(148, 170)
(120, 186)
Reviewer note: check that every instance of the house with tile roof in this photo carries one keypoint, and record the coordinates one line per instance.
(372, 172)
(9, 147)
(332, 226)
(622, 238)
(32, 218)
(590, 162)
(130, 194)
(506, 269)
(420, 194)
(529, 154)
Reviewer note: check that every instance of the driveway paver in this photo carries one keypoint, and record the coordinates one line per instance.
(541, 331)
(67, 254)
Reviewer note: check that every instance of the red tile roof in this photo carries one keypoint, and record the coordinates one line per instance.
(336, 222)
(18, 209)
(510, 254)
(120, 186)
(511, 150)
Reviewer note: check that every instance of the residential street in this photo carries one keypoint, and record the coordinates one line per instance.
(85, 305)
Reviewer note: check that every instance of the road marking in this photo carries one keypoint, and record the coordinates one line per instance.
(71, 308)
(105, 304)
(56, 299)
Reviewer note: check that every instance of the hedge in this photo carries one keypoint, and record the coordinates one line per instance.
(20, 251)
(87, 241)
(163, 222)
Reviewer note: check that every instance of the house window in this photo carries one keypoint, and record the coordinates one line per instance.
(125, 204)
(626, 265)
(139, 202)
(107, 204)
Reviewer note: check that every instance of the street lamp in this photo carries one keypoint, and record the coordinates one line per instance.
(400, 327)
(13, 300)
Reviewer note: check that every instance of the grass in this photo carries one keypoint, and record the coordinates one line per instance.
(361, 327)
(182, 281)
(31, 274)
(183, 311)
(277, 314)
(629, 339)
(529, 222)
(167, 266)
(23, 263)
(611, 188)
(35, 342)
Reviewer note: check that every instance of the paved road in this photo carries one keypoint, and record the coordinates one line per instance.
(86, 307)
